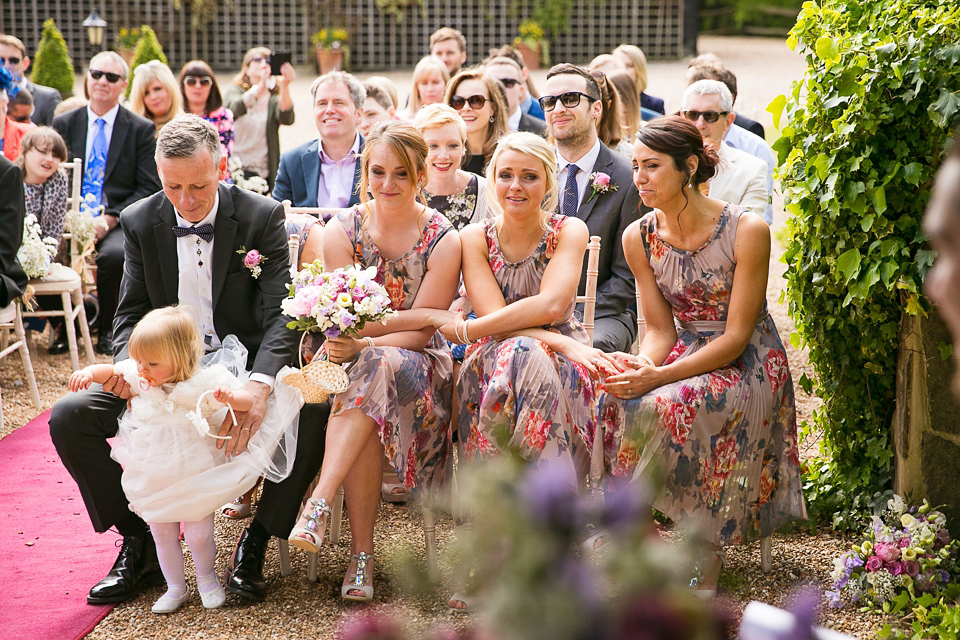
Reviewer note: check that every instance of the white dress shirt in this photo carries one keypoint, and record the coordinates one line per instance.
(109, 119)
(585, 163)
(513, 120)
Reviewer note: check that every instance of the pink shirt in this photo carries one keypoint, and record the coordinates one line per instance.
(336, 177)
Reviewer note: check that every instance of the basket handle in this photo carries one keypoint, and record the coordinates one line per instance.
(320, 354)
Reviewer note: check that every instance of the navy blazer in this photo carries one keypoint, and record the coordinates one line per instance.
(299, 176)
(654, 104)
(752, 126)
(13, 280)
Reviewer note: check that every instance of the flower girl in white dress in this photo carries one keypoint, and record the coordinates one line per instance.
(173, 470)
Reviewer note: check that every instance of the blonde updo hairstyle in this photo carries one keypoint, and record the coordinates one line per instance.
(168, 334)
(437, 115)
(529, 144)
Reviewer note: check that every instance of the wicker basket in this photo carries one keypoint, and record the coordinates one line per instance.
(318, 379)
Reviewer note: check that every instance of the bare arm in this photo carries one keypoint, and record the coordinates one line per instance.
(240, 400)
(99, 373)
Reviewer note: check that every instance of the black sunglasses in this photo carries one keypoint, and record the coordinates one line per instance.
(10, 60)
(204, 81)
(708, 116)
(112, 78)
(570, 100)
(475, 101)
(509, 83)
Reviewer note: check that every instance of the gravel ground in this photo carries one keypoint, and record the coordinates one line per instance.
(298, 608)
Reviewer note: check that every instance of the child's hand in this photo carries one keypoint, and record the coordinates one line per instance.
(223, 395)
(80, 380)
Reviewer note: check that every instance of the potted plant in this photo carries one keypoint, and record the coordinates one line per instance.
(126, 42)
(331, 49)
(532, 44)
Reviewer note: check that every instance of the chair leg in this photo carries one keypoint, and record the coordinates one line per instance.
(430, 544)
(71, 329)
(84, 327)
(283, 547)
(25, 356)
(766, 554)
(337, 519)
(312, 566)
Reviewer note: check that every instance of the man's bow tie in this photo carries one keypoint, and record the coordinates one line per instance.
(205, 231)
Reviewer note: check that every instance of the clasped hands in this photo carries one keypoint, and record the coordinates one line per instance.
(636, 377)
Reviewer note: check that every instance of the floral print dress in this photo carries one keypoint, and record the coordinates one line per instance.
(517, 393)
(464, 207)
(722, 445)
(406, 392)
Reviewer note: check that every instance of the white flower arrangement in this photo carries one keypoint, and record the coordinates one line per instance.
(255, 183)
(83, 223)
(36, 254)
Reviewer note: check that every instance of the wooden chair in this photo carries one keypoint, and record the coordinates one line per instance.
(67, 283)
(84, 266)
(11, 318)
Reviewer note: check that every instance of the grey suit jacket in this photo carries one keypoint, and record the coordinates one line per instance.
(607, 215)
(244, 306)
(45, 100)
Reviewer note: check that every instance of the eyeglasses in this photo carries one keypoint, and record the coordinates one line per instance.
(259, 59)
(112, 78)
(12, 60)
(203, 81)
(570, 99)
(509, 83)
(708, 116)
(476, 102)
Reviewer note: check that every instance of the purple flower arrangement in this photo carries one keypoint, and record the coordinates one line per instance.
(906, 549)
(337, 302)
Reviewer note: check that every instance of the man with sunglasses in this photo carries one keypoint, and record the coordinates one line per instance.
(571, 102)
(13, 55)
(510, 76)
(740, 178)
(117, 148)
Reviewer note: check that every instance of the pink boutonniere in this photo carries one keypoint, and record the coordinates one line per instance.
(252, 260)
(600, 182)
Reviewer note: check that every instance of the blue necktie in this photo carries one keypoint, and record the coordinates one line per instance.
(204, 232)
(96, 165)
(571, 195)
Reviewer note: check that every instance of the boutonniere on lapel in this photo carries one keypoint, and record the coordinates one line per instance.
(600, 182)
(252, 260)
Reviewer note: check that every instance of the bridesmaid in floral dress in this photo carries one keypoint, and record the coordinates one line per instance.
(401, 380)
(707, 407)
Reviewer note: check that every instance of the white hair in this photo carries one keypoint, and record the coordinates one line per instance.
(710, 88)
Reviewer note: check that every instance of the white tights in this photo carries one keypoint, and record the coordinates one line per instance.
(203, 548)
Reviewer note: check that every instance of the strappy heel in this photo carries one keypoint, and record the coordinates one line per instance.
(309, 536)
(359, 578)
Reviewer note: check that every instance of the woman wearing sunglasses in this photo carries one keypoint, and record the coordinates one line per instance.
(201, 96)
(479, 101)
(260, 103)
(154, 94)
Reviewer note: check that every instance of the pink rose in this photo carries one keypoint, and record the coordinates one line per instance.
(912, 567)
(895, 568)
(873, 564)
(602, 180)
(887, 551)
(252, 258)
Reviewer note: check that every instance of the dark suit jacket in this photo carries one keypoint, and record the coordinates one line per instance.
(752, 126)
(45, 100)
(654, 104)
(244, 306)
(131, 172)
(299, 176)
(12, 279)
(607, 215)
(533, 125)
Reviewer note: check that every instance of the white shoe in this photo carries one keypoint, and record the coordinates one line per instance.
(169, 603)
(215, 598)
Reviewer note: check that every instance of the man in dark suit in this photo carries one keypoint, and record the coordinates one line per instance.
(510, 76)
(325, 172)
(163, 267)
(571, 102)
(12, 279)
(117, 147)
(14, 57)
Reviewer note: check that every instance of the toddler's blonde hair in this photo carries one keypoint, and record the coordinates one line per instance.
(169, 334)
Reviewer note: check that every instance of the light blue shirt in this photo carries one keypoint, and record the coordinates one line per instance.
(740, 138)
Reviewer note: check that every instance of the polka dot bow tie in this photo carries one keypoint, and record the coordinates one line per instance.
(205, 231)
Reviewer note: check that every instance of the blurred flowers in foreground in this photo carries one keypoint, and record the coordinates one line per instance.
(519, 557)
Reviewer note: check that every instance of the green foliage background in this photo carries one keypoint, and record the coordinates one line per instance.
(863, 134)
(148, 48)
(52, 66)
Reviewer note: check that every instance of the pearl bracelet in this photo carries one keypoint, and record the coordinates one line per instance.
(646, 359)
(369, 341)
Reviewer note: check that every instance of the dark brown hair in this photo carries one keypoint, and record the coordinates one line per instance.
(498, 126)
(593, 89)
(199, 69)
(679, 138)
(713, 72)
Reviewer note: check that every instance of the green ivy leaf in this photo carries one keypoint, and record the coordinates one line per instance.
(776, 109)
(911, 173)
(946, 350)
(827, 49)
(849, 264)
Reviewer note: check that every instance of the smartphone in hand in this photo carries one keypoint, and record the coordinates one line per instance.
(277, 59)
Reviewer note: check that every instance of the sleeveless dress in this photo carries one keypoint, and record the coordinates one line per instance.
(173, 471)
(541, 401)
(724, 443)
(407, 393)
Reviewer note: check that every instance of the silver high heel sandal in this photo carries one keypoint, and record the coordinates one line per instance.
(359, 578)
(309, 536)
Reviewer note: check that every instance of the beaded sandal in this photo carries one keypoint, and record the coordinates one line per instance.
(359, 578)
(309, 537)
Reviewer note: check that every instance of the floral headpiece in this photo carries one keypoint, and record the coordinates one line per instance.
(6, 82)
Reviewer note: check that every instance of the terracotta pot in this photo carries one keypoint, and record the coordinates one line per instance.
(329, 60)
(531, 57)
(127, 55)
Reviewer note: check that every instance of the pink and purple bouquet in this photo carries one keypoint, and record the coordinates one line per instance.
(337, 302)
(905, 549)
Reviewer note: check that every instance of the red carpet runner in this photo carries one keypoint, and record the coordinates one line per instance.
(49, 554)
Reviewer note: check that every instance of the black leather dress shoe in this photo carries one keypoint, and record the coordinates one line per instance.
(245, 574)
(60, 344)
(104, 345)
(136, 567)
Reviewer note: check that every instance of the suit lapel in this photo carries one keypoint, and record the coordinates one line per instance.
(225, 237)
(355, 193)
(120, 128)
(310, 160)
(724, 172)
(167, 246)
(603, 164)
(78, 137)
